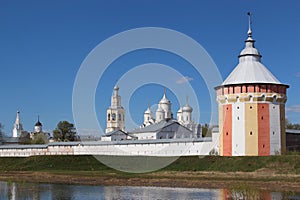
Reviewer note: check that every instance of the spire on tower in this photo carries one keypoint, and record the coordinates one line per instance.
(187, 100)
(18, 117)
(250, 23)
(165, 91)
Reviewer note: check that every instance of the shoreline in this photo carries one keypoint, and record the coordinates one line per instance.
(186, 179)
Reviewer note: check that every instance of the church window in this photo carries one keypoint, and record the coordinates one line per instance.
(187, 118)
(119, 118)
(108, 117)
(148, 118)
(113, 116)
(250, 132)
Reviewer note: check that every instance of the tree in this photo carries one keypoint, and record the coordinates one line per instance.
(289, 125)
(24, 138)
(65, 131)
(40, 138)
(1, 133)
(206, 131)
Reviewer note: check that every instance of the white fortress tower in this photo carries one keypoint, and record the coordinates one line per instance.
(115, 113)
(18, 127)
(251, 107)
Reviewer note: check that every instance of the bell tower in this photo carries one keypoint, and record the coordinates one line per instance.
(115, 114)
(18, 127)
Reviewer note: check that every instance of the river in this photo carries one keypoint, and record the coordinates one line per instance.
(37, 191)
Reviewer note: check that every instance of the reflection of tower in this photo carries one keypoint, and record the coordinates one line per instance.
(251, 107)
(18, 127)
(13, 191)
(38, 127)
(115, 113)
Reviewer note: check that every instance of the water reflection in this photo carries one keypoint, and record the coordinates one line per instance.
(35, 191)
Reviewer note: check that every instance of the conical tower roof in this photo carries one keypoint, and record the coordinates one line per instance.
(250, 69)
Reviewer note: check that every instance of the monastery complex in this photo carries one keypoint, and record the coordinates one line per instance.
(251, 104)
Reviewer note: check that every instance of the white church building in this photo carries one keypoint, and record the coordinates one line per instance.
(163, 126)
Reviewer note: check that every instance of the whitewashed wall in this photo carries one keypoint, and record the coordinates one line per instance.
(185, 147)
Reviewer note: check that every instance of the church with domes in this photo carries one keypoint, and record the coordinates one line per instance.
(164, 113)
(162, 126)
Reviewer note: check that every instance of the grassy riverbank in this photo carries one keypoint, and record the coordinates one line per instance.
(278, 173)
(279, 164)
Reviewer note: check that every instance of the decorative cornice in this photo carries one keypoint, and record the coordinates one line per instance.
(252, 97)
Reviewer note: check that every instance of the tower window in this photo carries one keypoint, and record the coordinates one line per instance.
(226, 133)
(238, 107)
(262, 118)
(119, 118)
(263, 146)
(108, 117)
(250, 132)
(273, 132)
(250, 107)
(113, 116)
(238, 118)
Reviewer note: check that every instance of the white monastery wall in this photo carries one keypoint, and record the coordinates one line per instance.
(183, 147)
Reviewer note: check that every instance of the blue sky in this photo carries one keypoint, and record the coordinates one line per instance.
(43, 43)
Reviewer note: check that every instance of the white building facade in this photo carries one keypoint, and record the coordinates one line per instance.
(115, 115)
(18, 126)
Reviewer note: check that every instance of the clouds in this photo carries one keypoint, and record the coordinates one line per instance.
(294, 108)
(184, 79)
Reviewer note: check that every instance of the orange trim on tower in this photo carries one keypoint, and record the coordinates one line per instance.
(263, 129)
(227, 130)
